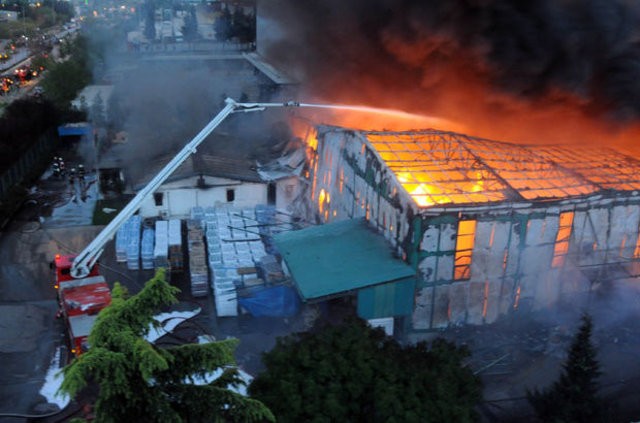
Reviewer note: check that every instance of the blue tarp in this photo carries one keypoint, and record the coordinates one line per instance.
(277, 301)
(74, 129)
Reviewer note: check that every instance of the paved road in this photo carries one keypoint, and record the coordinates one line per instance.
(16, 58)
(29, 332)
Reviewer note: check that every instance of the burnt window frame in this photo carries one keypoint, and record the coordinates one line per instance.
(462, 271)
(231, 195)
(158, 199)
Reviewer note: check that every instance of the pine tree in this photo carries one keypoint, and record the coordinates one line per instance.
(139, 381)
(190, 28)
(222, 25)
(150, 20)
(573, 397)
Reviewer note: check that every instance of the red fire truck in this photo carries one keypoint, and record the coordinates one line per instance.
(80, 301)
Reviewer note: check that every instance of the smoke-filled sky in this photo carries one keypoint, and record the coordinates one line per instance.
(162, 105)
(536, 71)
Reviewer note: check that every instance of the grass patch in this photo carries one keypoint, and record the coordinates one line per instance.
(100, 217)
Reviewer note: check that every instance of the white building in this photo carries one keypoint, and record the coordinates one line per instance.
(204, 180)
(212, 181)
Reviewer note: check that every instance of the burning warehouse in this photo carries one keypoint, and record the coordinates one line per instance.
(485, 227)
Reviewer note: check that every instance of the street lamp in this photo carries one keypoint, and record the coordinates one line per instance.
(24, 22)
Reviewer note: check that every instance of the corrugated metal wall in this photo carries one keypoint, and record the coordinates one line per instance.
(515, 263)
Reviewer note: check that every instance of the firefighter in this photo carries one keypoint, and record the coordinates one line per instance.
(56, 171)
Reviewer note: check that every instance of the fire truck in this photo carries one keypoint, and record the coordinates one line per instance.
(82, 291)
(80, 301)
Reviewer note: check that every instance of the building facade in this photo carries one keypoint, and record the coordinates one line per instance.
(489, 227)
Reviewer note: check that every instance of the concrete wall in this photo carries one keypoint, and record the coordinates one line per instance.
(180, 196)
(511, 268)
(287, 191)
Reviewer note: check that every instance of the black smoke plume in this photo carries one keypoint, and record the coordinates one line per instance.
(586, 50)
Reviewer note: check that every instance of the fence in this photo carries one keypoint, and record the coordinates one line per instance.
(25, 166)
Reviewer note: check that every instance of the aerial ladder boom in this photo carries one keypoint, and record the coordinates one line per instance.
(84, 261)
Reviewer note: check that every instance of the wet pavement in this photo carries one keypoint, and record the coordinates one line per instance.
(511, 355)
(57, 219)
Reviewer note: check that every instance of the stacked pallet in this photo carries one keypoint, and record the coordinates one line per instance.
(176, 256)
(197, 213)
(147, 248)
(128, 242)
(233, 244)
(133, 225)
(161, 249)
(122, 241)
(197, 259)
(269, 269)
(225, 296)
(266, 218)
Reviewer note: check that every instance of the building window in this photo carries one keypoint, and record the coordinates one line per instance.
(321, 198)
(231, 195)
(464, 249)
(561, 247)
(157, 198)
(636, 251)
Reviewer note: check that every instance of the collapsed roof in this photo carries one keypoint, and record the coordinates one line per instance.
(203, 164)
(439, 168)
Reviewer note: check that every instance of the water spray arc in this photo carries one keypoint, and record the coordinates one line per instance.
(84, 262)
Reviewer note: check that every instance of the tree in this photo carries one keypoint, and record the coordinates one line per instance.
(222, 25)
(150, 20)
(190, 27)
(243, 26)
(64, 80)
(573, 397)
(22, 124)
(139, 381)
(42, 61)
(352, 372)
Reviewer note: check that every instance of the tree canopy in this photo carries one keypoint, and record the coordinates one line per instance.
(573, 397)
(222, 25)
(352, 372)
(244, 26)
(149, 10)
(65, 79)
(138, 381)
(190, 27)
(22, 124)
